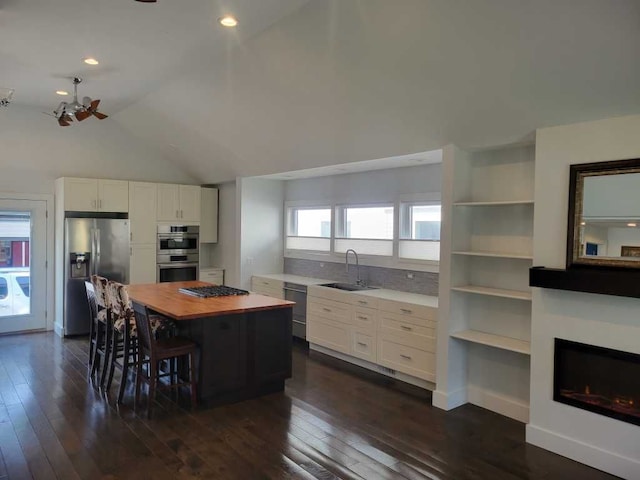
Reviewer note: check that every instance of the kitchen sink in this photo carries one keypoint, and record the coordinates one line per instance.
(350, 287)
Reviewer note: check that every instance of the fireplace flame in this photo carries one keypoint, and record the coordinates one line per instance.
(587, 391)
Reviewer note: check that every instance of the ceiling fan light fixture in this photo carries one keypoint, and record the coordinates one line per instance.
(228, 21)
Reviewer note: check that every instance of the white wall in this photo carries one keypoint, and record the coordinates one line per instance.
(260, 232)
(223, 254)
(374, 186)
(36, 151)
(601, 320)
(622, 236)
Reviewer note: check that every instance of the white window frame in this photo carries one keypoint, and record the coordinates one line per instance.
(393, 261)
(288, 206)
(420, 199)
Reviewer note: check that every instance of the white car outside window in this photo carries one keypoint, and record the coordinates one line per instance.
(14, 292)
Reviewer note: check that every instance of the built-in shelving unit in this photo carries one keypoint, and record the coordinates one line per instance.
(495, 341)
(515, 256)
(495, 292)
(485, 298)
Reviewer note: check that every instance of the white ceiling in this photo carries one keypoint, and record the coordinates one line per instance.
(305, 84)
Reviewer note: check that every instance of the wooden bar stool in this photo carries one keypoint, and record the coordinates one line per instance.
(100, 360)
(123, 335)
(158, 350)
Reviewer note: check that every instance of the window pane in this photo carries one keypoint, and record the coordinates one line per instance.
(310, 222)
(365, 247)
(15, 236)
(308, 243)
(374, 223)
(420, 222)
(419, 250)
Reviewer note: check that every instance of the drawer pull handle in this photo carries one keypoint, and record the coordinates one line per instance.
(362, 302)
(406, 357)
(406, 310)
(404, 327)
(363, 344)
(360, 317)
(326, 309)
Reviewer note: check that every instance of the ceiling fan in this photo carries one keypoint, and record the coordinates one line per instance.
(66, 111)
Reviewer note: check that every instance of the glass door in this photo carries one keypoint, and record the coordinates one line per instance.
(23, 250)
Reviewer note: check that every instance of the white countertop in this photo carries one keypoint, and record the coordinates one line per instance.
(384, 293)
(405, 297)
(285, 277)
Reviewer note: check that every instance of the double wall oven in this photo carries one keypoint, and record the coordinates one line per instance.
(178, 255)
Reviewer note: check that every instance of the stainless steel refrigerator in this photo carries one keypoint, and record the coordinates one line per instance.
(92, 245)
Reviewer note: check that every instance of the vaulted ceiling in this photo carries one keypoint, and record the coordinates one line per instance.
(301, 84)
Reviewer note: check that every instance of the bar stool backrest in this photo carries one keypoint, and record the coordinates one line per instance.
(118, 300)
(100, 287)
(91, 298)
(146, 340)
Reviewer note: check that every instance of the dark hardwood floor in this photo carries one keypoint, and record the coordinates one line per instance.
(328, 424)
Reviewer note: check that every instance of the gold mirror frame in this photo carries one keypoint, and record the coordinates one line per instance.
(577, 175)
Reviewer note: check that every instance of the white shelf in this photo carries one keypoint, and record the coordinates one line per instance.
(495, 341)
(494, 203)
(516, 256)
(494, 292)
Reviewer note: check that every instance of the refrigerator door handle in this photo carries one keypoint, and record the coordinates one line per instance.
(97, 236)
(92, 260)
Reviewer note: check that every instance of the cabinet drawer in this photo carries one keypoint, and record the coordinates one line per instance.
(329, 309)
(269, 292)
(406, 359)
(328, 333)
(363, 301)
(408, 319)
(365, 318)
(408, 309)
(421, 337)
(267, 283)
(216, 278)
(364, 346)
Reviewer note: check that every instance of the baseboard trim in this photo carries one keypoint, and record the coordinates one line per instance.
(451, 400)
(59, 329)
(595, 457)
(501, 404)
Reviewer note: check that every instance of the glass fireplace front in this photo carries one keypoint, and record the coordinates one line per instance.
(597, 379)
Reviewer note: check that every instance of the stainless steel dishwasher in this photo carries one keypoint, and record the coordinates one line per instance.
(298, 293)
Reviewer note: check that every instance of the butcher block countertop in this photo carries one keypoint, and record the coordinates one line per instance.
(165, 298)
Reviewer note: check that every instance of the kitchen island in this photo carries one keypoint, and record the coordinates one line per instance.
(244, 340)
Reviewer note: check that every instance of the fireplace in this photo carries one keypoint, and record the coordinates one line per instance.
(597, 379)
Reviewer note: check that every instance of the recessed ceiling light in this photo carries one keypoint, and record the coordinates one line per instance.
(62, 92)
(631, 224)
(583, 223)
(228, 21)
(91, 61)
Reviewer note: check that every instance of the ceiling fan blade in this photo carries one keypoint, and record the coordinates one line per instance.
(67, 118)
(99, 115)
(62, 122)
(82, 115)
(94, 104)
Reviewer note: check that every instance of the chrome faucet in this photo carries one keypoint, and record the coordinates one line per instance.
(346, 262)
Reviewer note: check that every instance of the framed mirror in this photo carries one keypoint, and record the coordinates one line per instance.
(603, 229)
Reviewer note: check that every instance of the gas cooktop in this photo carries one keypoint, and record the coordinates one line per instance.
(213, 291)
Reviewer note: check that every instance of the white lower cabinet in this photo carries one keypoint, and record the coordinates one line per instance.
(398, 335)
(142, 266)
(212, 275)
(267, 286)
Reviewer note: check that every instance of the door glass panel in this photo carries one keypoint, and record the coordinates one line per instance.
(15, 270)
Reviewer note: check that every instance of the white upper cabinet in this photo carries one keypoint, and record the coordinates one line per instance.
(178, 202)
(92, 195)
(142, 212)
(209, 216)
(190, 203)
(113, 196)
(142, 265)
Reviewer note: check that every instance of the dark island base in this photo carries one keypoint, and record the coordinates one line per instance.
(241, 356)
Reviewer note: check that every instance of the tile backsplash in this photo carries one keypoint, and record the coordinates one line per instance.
(395, 279)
